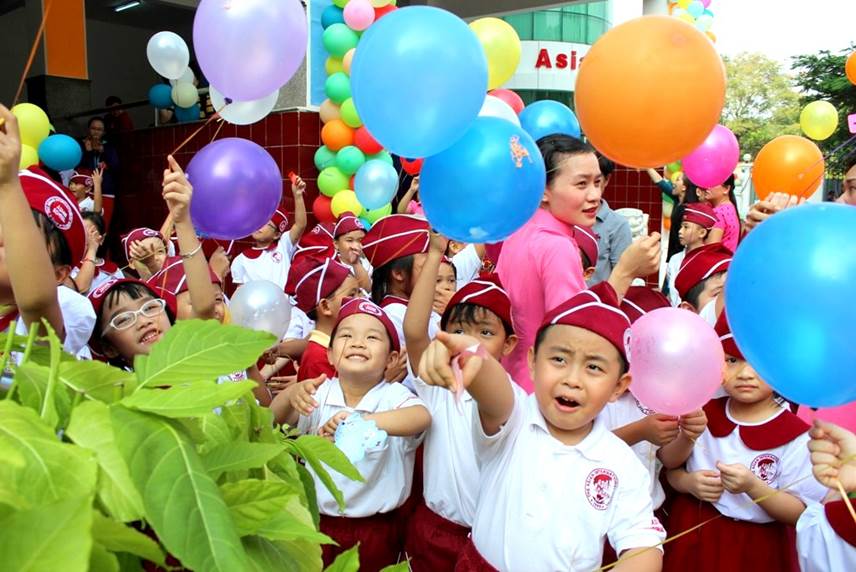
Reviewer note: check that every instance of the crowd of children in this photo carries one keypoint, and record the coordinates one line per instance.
(513, 442)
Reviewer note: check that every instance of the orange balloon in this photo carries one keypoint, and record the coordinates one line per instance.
(627, 114)
(788, 164)
(850, 68)
(336, 135)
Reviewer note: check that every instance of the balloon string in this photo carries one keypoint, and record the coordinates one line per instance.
(195, 133)
(846, 498)
(33, 50)
(216, 133)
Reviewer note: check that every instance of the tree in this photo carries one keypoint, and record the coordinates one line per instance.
(760, 102)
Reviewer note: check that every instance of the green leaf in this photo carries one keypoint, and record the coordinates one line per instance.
(187, 400)
(317, 450)
(183, 504)
(200, 350)
(32, 388)
(253, 502)
(116, 537)
(239, 456)
(48, 538)
(282, 556)
(100, 560)
(92, 429)
(347, 561)
(215, 431)
(400, 567)
(52, 470)
(97, 380)
(311, 494)
(293, 523)
(129, 562)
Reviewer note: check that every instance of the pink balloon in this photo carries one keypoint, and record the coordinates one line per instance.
(843, 415)
(706, 3)
(676, 361)
(714, 160)
(359, 14)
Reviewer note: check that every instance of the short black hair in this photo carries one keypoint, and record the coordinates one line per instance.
(694, 293)
(57, 245)
(382, 276)
(542, 333)
(607, 166)
(468, 313)
(94, 119)
(96, 219)
(556, 148)
(135, 291)
(112, 100)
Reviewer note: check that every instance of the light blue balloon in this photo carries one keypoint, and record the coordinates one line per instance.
(375, 184)
(418, 80)
(704, 22)
(789, 299)
(160, 96)
(332, 15)
(548, 117)
(366, 223)
(485, 186)
(695, 9)
(60, 152)
(185, 114)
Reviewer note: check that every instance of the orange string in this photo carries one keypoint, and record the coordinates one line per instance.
(194, 134)
(33, 51)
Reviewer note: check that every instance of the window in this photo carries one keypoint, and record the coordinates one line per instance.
(548, 25)
(583, 23)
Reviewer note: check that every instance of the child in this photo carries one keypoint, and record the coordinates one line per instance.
(348, 235)
(753, 446)
(145, 250)
(409, 203)
(554, 481)
(468, 260)
(93, 271)
(438, 530)
(701, 279)
(171, 282)
(697, 222)
(586, 239)
(81, 184)
(445, 286)
(727, 228)
(270, 256)
(364, 343)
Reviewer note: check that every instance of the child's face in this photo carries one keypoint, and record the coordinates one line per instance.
(691, 233)
(712, 288)
(488, 329)
(184, 307)
(576, 373)
(330, 306)
(156, 245)
(350, 246)
(78, 190)
(361, 348)
(445, 287)
(743, 383)
(138, 338)
(574, 195)
(266, 234)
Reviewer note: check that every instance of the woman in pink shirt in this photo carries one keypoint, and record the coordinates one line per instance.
(727, 228)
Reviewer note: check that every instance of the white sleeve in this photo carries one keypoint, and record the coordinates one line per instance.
(796, 472)
(467, 265)
(489, 447)
(635, 525)
(285, 246)
(78, 319)
(239, 274)
(819, 548)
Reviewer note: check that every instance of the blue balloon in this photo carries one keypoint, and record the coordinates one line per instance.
(549, 117)
(332, 15)
(184, 114)
(60, 152)
(696, 8)
(789, 300)
(485, 186)
(160, 96)
(366, 223)
(375, 184)
(418, 80)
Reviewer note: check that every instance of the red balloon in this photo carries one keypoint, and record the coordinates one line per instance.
(412, 166)
(322, 210)
(383, 11)
(365, 142)
(509, 97)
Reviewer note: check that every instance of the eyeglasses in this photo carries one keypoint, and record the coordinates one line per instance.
(127, 319)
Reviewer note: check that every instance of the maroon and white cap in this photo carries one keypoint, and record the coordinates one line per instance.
(57, 204)
(701, 264)
(394, 237)
(348, 222)
(701, 214)
(485, 291)
(639, 300)
(82, 177)
(279, 221)
(137, 235)
(351, 306)
(586, 239)
(723, 330)
(310, 280)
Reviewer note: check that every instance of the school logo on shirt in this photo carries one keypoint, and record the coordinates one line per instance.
(600, 488)
(59, 212)
(277, 257)
(765, 467)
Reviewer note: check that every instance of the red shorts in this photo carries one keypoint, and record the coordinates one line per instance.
(471, 561)
(433, 543)
(379, 536)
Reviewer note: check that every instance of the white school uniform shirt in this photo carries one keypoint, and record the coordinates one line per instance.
(787, 465)
(624, 411)
(467, 265)
(87, 205)
(819, 547)
(396, 308)
(78, 319)
(270, 263)
(673, 267)
(547, 506)
(300, 324)
(387, 470)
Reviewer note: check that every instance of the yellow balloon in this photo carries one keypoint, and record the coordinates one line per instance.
(346, 202)
(677, 176)
(819, 120)
(501, 46)
(687, 17)
(33, 124)
(684, 3)
(333, 65)
(329, 111)
(29, 156)
(348, 59)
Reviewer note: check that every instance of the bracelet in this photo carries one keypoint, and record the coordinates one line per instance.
(192, 252)
(85, 260)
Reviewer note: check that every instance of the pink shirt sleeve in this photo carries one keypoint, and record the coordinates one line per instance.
(560, 268)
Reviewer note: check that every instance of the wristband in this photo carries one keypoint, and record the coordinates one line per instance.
(192, 252)
(85, 260)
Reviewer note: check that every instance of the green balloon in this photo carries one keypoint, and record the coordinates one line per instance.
(338, 87)
(376, 214)
(349, 159)
(340, 3)
(382, 156)
(324, 158)
(350, 115)
(674, 167)
(331, 180)
(338, 39)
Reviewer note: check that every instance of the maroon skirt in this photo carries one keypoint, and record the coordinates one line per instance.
(379, 536)
(471, 561)
(433, 543)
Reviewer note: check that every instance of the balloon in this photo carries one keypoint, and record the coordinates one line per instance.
(495, 107)
(237, 186)
(168, 54)
(674, 166)
(243, 112)
(338, 87)
(664, 378)
(261, 305)
(60, 152)
(412, 166)
(160, 96)
(375, 215)
(33, 124)
(714, 160)
(383, 155)
(249, 50)
(641, 131)
(335, 135)
(788, 164)
(381, 3)
(349, 114)
(509, 97)
(332, 180)
(340, 3)
(348, 59)
(29, 157)
(435, 105)
(329, 111)
(338, 39)
(185, 94)
(843, 416)
(677, 177)
(324, 158)
(850, 68)
(695, 9)
(485, 186)
(332, 15)
(802, 344)
(367, 144)
(345, 202)
(350, 159)
(711, 36)
(359, 14)
(686, 17)
(366, 224)
(706, 3)
(185, 114)
(381, 12)
(321, 209)
(187, 77)
(376, 184)
(684, 3)
(501, 47)
(549, 117)
(333, 65)
(819, 120)
(704, 22)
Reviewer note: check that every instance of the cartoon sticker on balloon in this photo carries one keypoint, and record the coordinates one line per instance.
(518, 152)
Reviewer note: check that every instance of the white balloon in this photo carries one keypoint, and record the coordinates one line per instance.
(495, 107)
(243, 112)
(187, 77)
(261, 305)
(168, 54)
(185, 94)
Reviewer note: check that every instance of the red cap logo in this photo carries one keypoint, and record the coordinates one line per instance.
(370, 308)
(59, 212)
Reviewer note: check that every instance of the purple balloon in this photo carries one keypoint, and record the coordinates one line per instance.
(714, 160)
(237, 186)
(251, 48)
